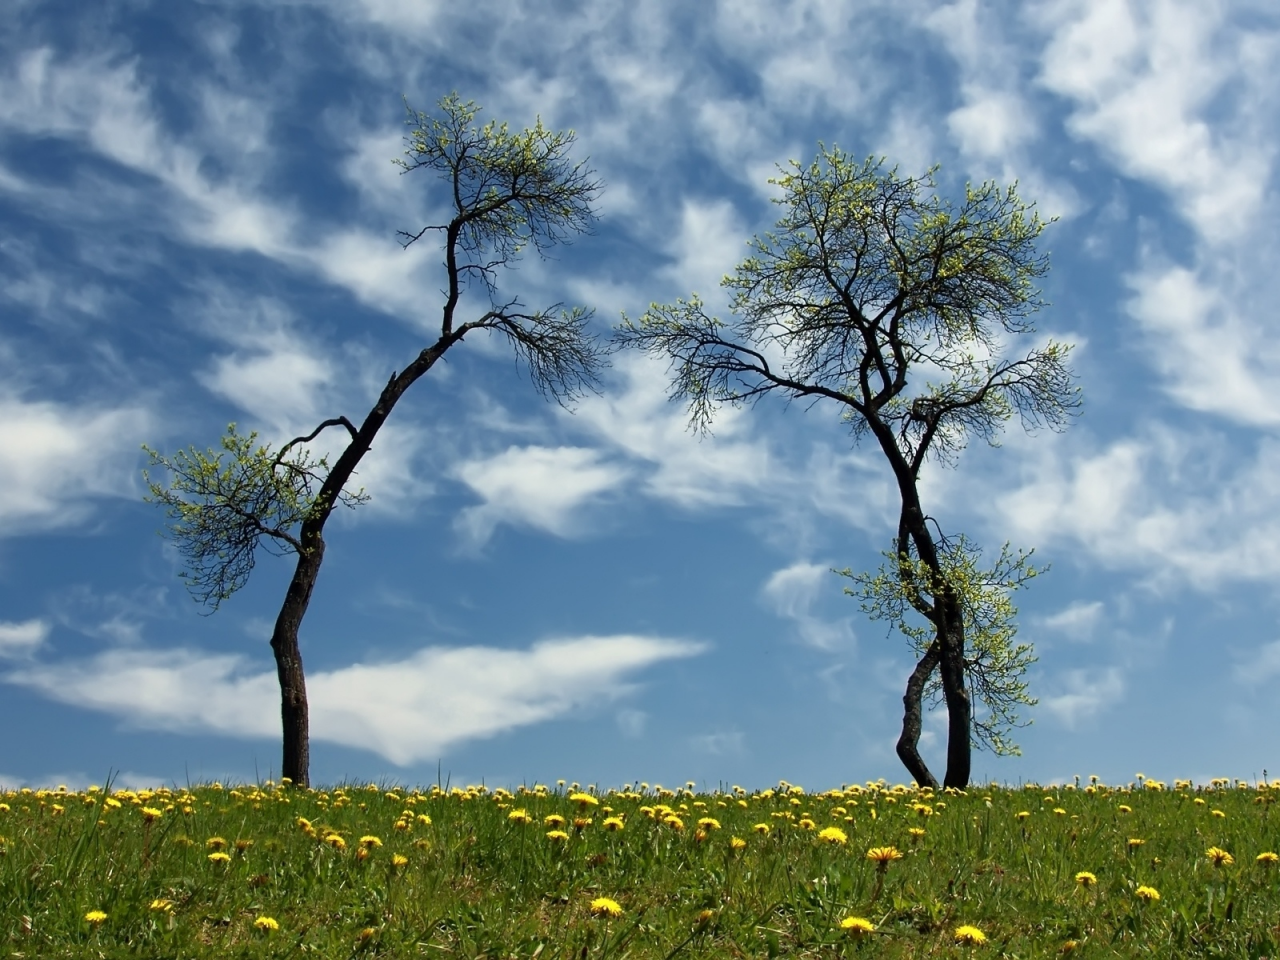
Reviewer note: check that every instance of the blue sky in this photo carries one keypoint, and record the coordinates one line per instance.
(199, 210)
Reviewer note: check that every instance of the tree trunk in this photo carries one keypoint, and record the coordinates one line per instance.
(294, 715)
(909, 741)
(959, 709)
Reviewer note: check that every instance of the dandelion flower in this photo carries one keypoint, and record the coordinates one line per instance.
(1219, 857)
(583, 800)
(1217, 813)
(1147, 894)
(399, 860)
(219, 857)
(883, 856)
(833, 835)
(369, 842)
(336, 841)
(1267, 859)
(806, 824)
(737, 843)
(857, 926)
(1125, 808)
(95, 917)
(1086, 879)
(915, 833)
(761, 828)
(604, 907)
(1022, 815)
(520, 816)
(1135, 843)
(149, 814)
(557, 835)
(969, 935)
(161, 905)
(554, 821)
(267, 924)
(216, 843)
(612, 824)
(674, 822)
(709, 824)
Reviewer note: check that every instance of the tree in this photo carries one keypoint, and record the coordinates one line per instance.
(507, 192)
(898, 305)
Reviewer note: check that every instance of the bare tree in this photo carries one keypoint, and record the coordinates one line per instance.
(898, 305)
(507, 192)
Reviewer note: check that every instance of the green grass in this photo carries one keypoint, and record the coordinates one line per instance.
(456, 874)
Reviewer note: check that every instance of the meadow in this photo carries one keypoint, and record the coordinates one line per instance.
(561, 871)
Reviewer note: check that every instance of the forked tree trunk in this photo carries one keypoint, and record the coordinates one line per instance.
(294, 713)
(909, 742)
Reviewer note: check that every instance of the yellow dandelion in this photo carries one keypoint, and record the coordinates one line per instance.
(857, 926)
(95, 917)
(399, 860)
(761, 828)
(737, 843)
(1219, 857)
(219, 856)
(216, 843)
(708, 824)
(833, 835)
(806, 824)
(1086, 879)
(336, 841)
(1135, 843)
(883, 856)
(969, 935)
(674, 822)
(362, 853)
(267, 924)
(149, 814)
(604, 907)
(583, 800)
(1022, 815)
(554, 821)
(915, 833)
(1125, 808)
(369, 842)
(161, 905)
(423, 819)
(558, 836)
(612, 824)
(1217, 813)
(520, 816)
(1059, 811)
(1147, 894)
(243, 845)
(1267, 859)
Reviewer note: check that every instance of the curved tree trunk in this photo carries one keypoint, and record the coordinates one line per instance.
(909, 741)
(294, 712)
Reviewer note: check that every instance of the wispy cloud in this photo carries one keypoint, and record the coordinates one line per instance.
(22, 639)
(56, 458)
(1083, 695)
(793, 591)
(541, 487)
(405, 711)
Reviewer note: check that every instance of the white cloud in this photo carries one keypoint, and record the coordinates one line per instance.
(1211, 338)
(632, 723)
(636, 418)
(406, 711)
(22, 639)
(55, 458)
(719, 744)
(792, 592)
(1077, 620)
(1147, 81)
(1085, 694)
(541, 487)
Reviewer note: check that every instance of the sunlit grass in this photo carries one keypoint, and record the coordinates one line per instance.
(567, 871)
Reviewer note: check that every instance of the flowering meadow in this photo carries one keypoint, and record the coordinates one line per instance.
(871, 870)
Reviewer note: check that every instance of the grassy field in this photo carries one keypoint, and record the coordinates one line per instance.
(875, 870)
